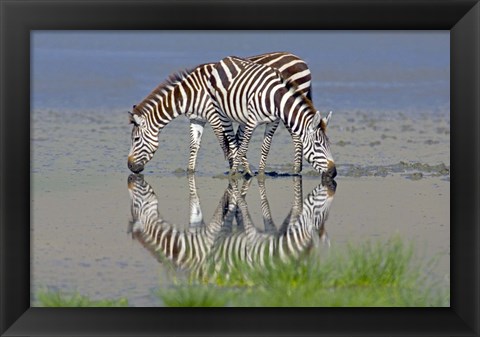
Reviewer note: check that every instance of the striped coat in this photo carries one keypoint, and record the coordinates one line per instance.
(253, 94)
(187, 94)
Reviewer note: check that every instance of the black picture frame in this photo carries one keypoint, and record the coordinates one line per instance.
(19, 17)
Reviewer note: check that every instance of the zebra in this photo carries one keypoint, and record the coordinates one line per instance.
(302, 231)
(185, 249)
(253, 94)
(208, 249)
(269, 225)
(186, 93)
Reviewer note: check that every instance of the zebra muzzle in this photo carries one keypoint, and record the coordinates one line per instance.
(134, 167)
(134, 179)
(331, 169)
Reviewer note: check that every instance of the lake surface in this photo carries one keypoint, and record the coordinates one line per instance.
(390, 134)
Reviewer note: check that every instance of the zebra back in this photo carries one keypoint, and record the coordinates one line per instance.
(291, 67)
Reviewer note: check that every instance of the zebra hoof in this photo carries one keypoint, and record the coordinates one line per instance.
(248, 174)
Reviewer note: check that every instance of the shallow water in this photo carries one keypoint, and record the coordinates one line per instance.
(82, 238)
(390, 135)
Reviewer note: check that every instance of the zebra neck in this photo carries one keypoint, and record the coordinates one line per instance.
(168, 107)
(294, 112)
(163, 105)
(296, 116)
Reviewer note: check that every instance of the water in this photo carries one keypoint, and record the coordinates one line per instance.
(390, 139)
(361, 71)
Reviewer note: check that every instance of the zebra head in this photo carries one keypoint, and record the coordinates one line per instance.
(316, 149)
(316, 207)
(144, 142)
(144, 203)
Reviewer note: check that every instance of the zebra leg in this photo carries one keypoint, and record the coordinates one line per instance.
(298, 159)
(245, 187)
(267, 142)
(242, 150)
(297, 205)
(265, 206)
(239, 134)
(196, 131)
(223, 130)
(243, 192)
(297, 197)
(196, 215)
(239, 137)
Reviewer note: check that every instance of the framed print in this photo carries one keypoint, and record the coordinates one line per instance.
(401, 157)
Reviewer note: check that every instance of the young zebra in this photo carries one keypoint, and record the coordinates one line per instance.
(253, 94)
(186, 93)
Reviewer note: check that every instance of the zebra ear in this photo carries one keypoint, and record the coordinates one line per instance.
(130, 118)
(315, 122)
(325, 121)
(135, 119)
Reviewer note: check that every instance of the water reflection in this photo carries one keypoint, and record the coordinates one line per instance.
(231, 236)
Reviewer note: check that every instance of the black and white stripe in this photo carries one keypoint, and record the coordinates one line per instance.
(230, 237)
(186, 93)
(302, 230)
(253, 94)
(186, 249)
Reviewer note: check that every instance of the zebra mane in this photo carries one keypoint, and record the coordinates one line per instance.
(292, 86)
(162, 88)
(178, 77)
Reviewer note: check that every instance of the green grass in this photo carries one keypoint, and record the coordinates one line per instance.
(381, 274)
(371, 275)
(58, 299)
(194, 296)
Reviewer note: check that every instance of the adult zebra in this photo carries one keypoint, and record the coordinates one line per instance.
(186, 93)
(253, 94)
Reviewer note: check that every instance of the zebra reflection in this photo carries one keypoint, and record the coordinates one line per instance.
(186, 249)
(207, 248)
(302, 231)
